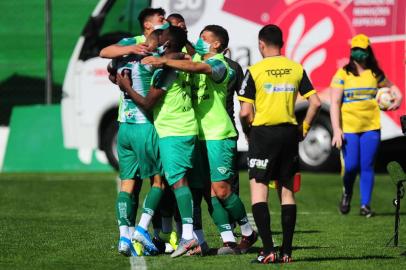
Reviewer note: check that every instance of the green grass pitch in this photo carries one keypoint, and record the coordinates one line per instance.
(66, 221)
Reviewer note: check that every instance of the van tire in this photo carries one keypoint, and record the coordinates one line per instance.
(109, 143)
(316, 152)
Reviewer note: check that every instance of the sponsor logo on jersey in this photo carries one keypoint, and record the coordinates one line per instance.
(270, 88)
(278, 72)
(259, 163)
(222, 170)
(226, 226)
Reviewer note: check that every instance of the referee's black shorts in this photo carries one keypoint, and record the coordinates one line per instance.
(273, 153)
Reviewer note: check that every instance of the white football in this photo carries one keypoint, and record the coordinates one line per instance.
(384, 98)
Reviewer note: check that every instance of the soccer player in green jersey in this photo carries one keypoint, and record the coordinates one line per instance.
(127, 201)
(150, 19)
(175, 122)
(216, 132)
(137, 147)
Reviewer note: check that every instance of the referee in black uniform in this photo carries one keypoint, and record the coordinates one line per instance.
(271, 86)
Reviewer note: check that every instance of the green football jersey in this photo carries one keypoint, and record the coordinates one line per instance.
(209, 100)
(174, 114)
(132, 40)
(141, 76)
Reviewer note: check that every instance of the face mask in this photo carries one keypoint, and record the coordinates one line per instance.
(359, 55)
(161, 49)
(202, 47)
(161, 26)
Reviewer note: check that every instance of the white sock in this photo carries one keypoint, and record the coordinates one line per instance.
(179, 228)
(167, 224)
(199, 235)
(145, 220)
(131, 230)
(124, 231)
(246, 229)
(227, 236)
(187, 231)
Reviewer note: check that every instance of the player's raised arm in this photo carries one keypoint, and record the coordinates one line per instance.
(116, 50)
(184, 65)
(146, 103)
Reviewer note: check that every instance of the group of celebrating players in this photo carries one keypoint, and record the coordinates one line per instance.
(176, 130)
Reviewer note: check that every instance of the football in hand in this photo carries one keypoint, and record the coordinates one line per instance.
(384, 98)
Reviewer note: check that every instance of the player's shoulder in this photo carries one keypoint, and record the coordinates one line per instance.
(342, 73)
(131, 40)
(291, 63)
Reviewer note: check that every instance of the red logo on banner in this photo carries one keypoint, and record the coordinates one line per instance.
(317, 40)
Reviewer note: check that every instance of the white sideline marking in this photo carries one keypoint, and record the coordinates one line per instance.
(252, 221)
(4, 132)
(136, 263)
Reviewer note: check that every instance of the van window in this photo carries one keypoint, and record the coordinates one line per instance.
(123, 17)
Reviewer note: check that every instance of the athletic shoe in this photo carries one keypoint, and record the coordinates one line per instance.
(142, 236)
(159, 244)
(184, 246)
(247, 242)
(366, 211)
(124, 246)
(344, 205)
(201, 250)
(263, 258)
(171, 238)
(285, 258)
(229, 248)
(138, 249)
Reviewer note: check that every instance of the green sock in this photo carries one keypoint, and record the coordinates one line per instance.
(124, 209)
(235, 209)
(152, 200)
(219, 215)
(185, 204)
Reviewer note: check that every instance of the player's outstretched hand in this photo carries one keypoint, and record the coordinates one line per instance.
(154, 61)
(140, 48)
(338, 139)
(123, 81)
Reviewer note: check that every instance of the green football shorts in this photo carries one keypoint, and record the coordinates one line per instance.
(137, 148)
(177, 155)
(220, 155)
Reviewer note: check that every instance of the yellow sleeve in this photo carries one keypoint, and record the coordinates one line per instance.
(338, 79)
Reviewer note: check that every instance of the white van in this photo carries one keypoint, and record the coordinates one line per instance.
(316, 34)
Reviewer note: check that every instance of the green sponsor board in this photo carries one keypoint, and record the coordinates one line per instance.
(35, 144)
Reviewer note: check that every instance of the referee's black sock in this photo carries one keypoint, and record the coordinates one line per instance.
(288, 227)
(262, 218)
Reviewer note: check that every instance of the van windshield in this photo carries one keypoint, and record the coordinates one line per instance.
(123, 17)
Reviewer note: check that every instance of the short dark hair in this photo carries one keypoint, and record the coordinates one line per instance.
(271, 34)
(176, 16)
(177, 38)
(220, 33)
(148, 12)
(156, 33)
